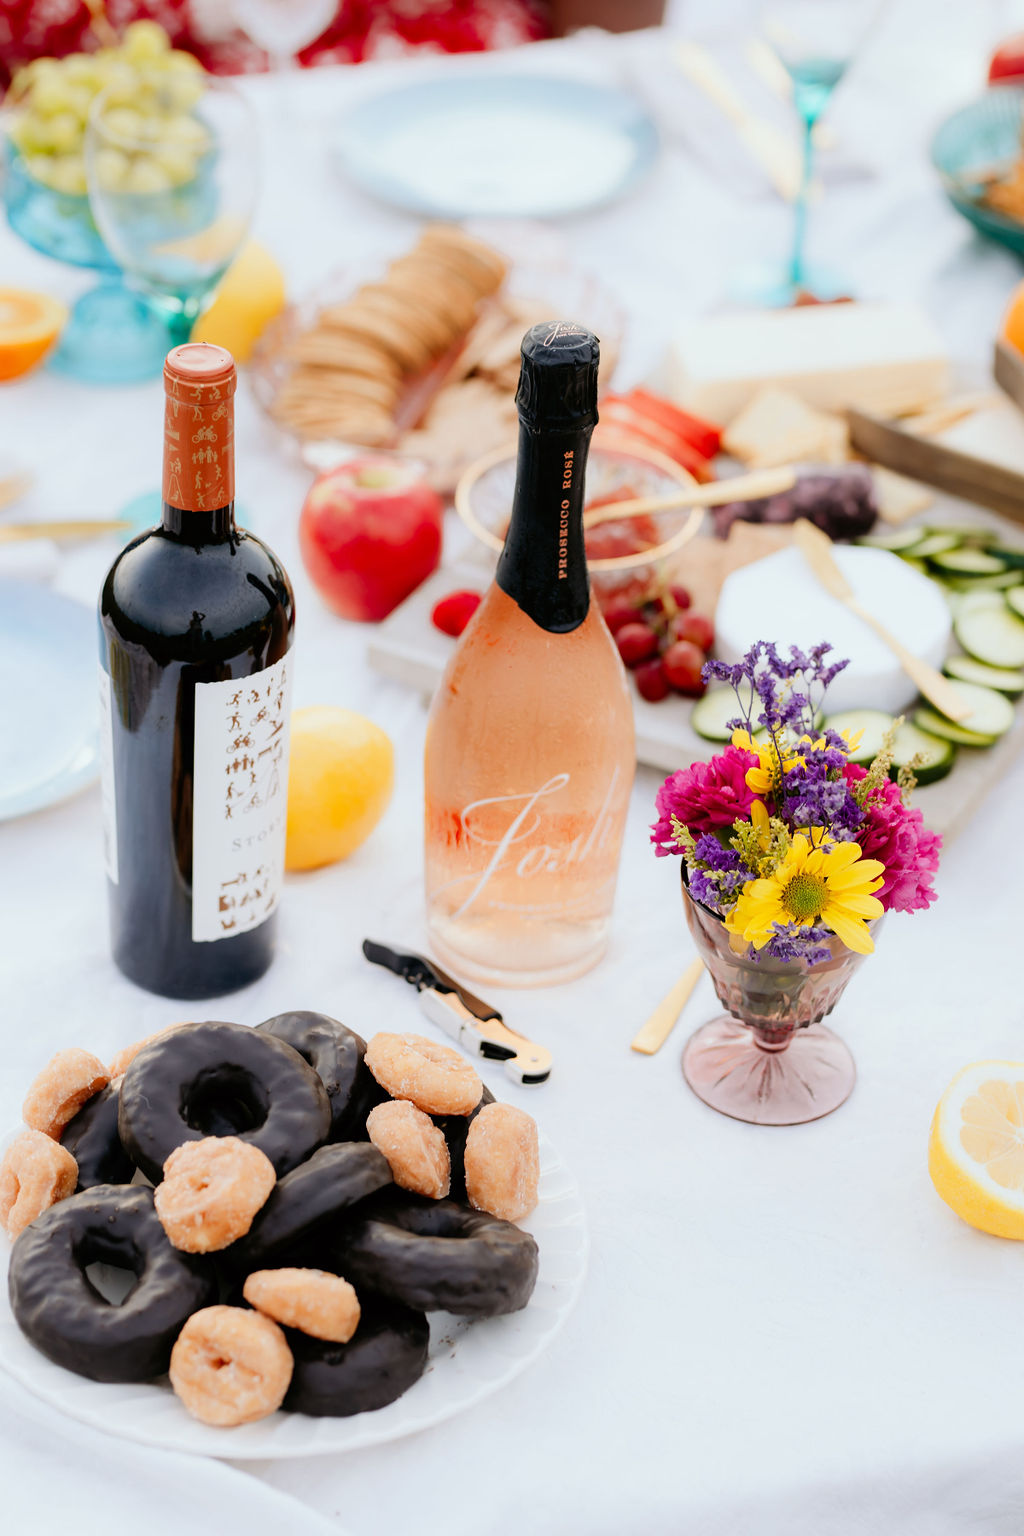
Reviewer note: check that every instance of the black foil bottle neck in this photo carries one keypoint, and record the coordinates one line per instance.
(215, 527)
(543, 566)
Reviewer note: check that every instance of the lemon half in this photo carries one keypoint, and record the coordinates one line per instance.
(976, 1150)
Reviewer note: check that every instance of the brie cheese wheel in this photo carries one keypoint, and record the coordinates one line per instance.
(780, 599)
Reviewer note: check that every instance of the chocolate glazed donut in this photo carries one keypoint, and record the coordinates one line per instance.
(57, 1307)
(333, 1179)
(439, 1256)
(92, 1139)
(385, 1356)
(336, 1055)
(221, 1080)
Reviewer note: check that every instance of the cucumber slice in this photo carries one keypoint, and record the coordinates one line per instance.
(916, 564)
(965, 562)
(934, 724)
(936, 543)
(896, 539)
(989, 631)
(998, 583)
(991, 713)
(710, 714)
(936, 753)
(969, 533)
(1003, 679)
(1013, 559)
(873, 722)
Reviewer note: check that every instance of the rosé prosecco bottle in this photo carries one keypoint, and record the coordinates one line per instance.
(530, 755)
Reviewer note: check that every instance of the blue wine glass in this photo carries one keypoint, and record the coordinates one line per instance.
(173, 191)
(816, 41)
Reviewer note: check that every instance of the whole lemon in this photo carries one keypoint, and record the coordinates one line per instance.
(249, 297)
(340, 779)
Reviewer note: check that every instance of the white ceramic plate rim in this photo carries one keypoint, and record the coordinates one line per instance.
(468, 1362)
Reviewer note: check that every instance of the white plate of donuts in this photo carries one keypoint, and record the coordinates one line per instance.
(203, 1257)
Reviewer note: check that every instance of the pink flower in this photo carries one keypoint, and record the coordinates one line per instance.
(703, 797)
(899, 838)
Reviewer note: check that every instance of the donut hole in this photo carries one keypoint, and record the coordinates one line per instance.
(110, 1269)
(225, 1101)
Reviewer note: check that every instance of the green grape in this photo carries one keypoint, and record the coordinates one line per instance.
(81, 69)
(121, 85)
(112, 169)
(79, 100)
(144, 41)
(67, 174)
(178, 162)
(49, 94)
(124, 123)
(39, 168)
(31, 134)
(65, 133)
(187, 63)
(146, 177)
(187, 132)
(181, 91)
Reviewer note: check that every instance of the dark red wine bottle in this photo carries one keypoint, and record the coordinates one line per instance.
(196, 624)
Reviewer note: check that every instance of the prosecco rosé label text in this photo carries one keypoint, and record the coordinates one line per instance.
(519, 839)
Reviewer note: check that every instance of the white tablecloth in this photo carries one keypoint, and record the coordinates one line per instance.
(781, 1331)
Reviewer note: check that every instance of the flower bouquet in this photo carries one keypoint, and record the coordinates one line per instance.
(791, 855)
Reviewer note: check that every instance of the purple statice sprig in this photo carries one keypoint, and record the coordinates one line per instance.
(814, 792)
(791, 942)
(716, 874)
(776, 693)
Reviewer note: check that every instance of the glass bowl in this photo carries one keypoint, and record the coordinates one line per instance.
(977, 142)
(60, 224)
(623, 555)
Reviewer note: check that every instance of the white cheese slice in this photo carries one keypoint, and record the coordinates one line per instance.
(885, 358)
(779, 599)
(996, 434)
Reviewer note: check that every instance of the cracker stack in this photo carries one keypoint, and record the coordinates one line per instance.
(352, 367)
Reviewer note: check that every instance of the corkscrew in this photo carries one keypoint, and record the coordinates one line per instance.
(476, 1026)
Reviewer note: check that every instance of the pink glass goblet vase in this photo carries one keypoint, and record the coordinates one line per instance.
(769, 1060)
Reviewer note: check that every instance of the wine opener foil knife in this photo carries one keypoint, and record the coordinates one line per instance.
(476, 1026)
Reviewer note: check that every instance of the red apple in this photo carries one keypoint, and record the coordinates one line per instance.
(1007, 63)
(370, 532)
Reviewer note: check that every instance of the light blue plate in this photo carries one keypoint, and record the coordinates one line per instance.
(497, 146)
(983, 136)
(49, 747)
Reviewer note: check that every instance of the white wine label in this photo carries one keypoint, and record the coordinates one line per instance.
(239, 801)
(108, 800)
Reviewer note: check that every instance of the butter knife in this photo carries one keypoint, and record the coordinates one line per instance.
(478, 1028)
(816, 548)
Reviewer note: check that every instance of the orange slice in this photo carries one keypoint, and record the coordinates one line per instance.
(1012, 328)
(29, 325)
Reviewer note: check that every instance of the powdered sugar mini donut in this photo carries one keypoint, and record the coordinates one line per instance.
(315, 1302)
(416, 1150)
(61, 1089)
(431, 1076)
(211, 1191)
(230, 1366)
(35, 1173)
(503, 1162)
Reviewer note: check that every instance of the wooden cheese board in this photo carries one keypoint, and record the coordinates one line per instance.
(407, 648)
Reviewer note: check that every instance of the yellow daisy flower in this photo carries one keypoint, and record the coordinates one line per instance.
(812, 884)
(771, 765)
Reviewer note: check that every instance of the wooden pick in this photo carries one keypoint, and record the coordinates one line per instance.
(766, 482)
(663, 1020)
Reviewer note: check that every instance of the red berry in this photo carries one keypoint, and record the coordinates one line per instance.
(453, 613)
(651, 682)
(695, 628)
(636, 642)
(617, 614)
(682, 663)
(681, 596)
